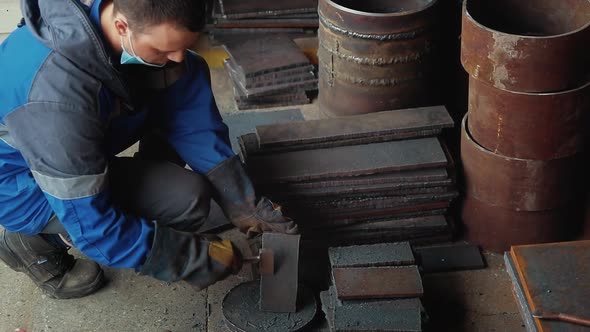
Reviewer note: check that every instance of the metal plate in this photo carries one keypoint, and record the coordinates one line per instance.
(375, 124)
(348, 161)
(540, 126)
(555, 279)
(377, 282)
(518, 184)
(383, 254)
(278, 291)
(241, 311)
(442, 258)
(516, 46)
(279, 52)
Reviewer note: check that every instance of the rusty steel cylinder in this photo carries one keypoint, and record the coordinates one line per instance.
(540, 126)
(527, 45)
(375, 55)
(511, 201)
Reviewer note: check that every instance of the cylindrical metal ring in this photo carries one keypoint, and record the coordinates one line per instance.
(540, 126)
(375, 56)
(496, 228)
(518, 184)
(527, 45)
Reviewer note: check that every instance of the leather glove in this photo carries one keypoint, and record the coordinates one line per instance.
(186, 256)
(234, 192)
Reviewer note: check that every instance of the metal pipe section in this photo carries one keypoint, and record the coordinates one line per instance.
(375, 55)
(511, 201)
(519, 184)
(527, 45)
(540, 126)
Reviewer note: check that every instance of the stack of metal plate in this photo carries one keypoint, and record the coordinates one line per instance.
(362, 179)
(235, 17)
(374, 288)
(269, 72)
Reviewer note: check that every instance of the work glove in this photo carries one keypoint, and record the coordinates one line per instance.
(234, 192)
(199, 260)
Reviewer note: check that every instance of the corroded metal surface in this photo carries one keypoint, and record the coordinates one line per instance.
(496, 228)
(554, 279)
(519, 184)
(377, 282)
(539, 126)
(528, 45)
(375, 55)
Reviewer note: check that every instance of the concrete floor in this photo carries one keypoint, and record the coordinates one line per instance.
(460, 301)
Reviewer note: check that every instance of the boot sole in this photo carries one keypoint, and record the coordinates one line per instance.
(88, 289)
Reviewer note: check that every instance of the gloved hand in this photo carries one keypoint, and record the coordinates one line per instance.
(234, 192)
(199, 260)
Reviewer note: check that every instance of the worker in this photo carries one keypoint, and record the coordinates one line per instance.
(83, 80)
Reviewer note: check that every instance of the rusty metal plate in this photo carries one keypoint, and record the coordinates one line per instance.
(528, 45)
(496, 228)
(375, 124)
(375, 56)
(278, 290)
(347, 161)
(540, 126)
(519, 184)
(377, 282)
(279, 52)
(555, 279)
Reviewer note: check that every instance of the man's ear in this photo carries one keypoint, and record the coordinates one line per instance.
(121, 25)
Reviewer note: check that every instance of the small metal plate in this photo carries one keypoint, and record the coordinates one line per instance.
(241, 311)
(278, 290)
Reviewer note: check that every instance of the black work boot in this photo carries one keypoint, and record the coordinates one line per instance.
(55, 271)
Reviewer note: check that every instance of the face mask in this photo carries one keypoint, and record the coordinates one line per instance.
(133, 59)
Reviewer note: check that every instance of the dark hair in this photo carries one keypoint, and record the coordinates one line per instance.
(141, 14)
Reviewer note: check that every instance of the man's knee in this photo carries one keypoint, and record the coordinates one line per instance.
(196, 195)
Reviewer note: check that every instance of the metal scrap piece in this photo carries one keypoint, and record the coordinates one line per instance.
(278, 290)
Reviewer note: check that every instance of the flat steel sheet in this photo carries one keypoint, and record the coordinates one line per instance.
(348, 161)
(382, 254)
(278, 51)
(377, 282)
(345, 142)
(518, 292)
(373, 124)
(383, 315)
(278, 291)
(555, 279)
(442, 258)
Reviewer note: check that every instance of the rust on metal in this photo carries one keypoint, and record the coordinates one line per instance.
(375, 56)
(540, 126)
(518, 184)
(377, 282)
(375, 124)
(497, 228)
(528, 45)
(554, 278)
